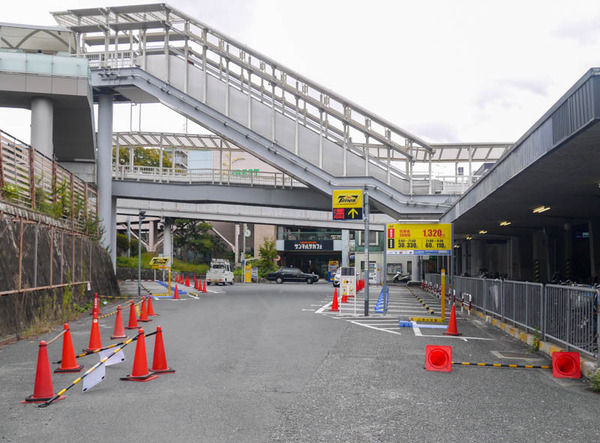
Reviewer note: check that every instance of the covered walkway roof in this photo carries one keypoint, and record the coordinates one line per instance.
(554, 165)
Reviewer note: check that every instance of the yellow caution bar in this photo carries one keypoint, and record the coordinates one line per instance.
(427, 319)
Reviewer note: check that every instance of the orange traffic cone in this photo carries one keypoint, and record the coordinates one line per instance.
(187, 282)
(151, 312)
(438, 358)
(68, 362)
(566, 364)
(176, 295)
(344, 298)
(118, 331)
(43, 389)
(144, 313)
(334, 303)
(159, 361)
(95, 340)
(204, 287)
(95, 305)
(133, 324)
(452, 325)
(140, 363)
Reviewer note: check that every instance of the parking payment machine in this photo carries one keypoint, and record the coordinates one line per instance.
(348, 282)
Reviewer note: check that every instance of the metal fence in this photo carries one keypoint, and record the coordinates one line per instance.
(30, 179)
(572, 317)
(564, 314)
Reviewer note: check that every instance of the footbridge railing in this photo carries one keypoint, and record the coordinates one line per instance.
(247, 177)
(30, 179)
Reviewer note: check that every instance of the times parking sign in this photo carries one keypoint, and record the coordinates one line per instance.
(347, 204)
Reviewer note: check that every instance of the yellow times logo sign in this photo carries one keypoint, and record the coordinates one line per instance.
(348, 198)
(348, 204)
(159, 262)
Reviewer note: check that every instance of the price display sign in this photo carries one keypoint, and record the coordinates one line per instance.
(419, 239)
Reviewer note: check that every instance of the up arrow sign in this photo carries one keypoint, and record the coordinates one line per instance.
(353, 213)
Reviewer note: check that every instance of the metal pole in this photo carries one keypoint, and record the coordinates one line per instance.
(140, 218)
(384, 271)
(128, 236)
(366, 203)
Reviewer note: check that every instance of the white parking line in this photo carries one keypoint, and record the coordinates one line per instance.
(372, 327)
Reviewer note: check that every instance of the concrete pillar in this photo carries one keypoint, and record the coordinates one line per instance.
(415, 276)
(151, 235)
(168, 240)
(113, 232)
(477, 257)
(345, 247)
(42, 122)
(594, 230)
(568, 237)
(105, 132)
(464, 254)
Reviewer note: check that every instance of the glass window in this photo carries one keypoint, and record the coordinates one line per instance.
(373, 238)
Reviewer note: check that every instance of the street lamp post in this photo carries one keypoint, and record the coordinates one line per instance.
(141, 217)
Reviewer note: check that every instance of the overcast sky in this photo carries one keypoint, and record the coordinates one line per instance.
(447, 71)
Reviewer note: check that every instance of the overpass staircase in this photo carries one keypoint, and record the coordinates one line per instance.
(155, 53)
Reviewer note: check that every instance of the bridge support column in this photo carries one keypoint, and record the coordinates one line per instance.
(42, 121)
(105, 133)
(345, 242)
(113, 232)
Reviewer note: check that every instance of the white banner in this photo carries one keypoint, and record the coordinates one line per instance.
(93, 378)
(117, 358)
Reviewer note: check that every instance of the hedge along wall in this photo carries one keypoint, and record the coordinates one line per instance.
(44, 273)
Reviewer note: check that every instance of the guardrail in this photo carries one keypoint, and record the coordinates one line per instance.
(205, 175)
(564, 314)
(32, 180)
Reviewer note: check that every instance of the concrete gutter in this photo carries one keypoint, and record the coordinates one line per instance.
(588, 367)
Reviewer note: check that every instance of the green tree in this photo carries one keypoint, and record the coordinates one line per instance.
(196, 237)
(144, 157)
(268, 256)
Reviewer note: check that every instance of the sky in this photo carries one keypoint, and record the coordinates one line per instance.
(447, 71)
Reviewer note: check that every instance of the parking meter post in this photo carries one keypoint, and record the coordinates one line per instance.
(366, 241)
(443, 294)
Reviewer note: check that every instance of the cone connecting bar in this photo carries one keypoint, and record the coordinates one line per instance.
(500, 365)
(114, 312)
(57, 337)
(88, 372)
(83, 354)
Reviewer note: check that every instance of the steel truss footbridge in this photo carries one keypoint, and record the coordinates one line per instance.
(313, 139)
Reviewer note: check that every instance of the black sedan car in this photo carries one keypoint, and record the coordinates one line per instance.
(292, 274)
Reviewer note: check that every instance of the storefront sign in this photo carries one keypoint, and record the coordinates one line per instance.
(317, 245)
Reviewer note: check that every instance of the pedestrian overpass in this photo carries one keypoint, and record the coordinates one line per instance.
(316, 138)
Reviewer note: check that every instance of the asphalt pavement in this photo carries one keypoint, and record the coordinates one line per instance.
(268, 362)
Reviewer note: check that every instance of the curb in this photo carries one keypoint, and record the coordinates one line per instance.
(588, 368)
